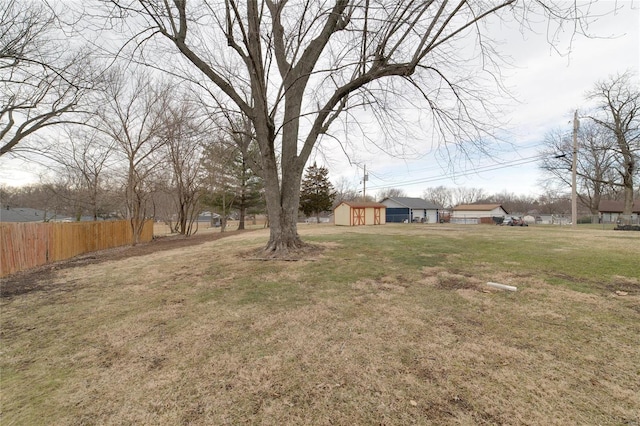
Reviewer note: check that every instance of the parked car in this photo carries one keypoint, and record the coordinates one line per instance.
(514, 221)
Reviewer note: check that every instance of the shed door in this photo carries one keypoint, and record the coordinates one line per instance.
(376, 216)
(357, 217)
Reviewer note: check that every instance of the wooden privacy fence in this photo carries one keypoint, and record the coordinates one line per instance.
(25, 245)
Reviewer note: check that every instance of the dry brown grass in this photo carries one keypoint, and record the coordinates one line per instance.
(350, 336)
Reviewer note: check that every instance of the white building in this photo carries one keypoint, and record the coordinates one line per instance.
(477, 213)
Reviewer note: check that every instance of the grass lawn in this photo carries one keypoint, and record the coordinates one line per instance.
(389, 325)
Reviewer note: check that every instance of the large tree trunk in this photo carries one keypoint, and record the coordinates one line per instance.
(241, 219)
(243, 196)
(627, 176)
(627, 210)
(282, 207)
(628, 184)
(628, 201)
(283, 234)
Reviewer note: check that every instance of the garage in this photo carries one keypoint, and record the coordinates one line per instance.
(408, 209)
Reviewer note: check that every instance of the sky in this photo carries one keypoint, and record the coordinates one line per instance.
(547, 86)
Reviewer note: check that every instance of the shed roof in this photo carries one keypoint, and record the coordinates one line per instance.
(414, 203)
(612, 206)
(477, 207)
(362, 204)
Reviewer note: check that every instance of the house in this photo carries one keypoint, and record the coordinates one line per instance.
(210, 218)
(407, 209)
(610, 210)
(22, 214)
(477, 213)
(354, 213)
(322, 218)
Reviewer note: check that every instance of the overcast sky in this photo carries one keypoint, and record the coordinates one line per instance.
(547, 85)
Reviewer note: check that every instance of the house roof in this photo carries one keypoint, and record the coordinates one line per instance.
(612, 206)
(361, 204)
(414, 203)
(208, 214)
(21, 214)
(477, 207)
(25, 214)
(205, 216)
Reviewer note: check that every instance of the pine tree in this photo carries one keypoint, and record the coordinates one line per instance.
(317, 193)
(247, 189)
(233, 186)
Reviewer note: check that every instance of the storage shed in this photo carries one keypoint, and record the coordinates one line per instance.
(354, 213)
(408, 209)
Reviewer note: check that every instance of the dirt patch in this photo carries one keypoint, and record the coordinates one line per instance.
(39, 279)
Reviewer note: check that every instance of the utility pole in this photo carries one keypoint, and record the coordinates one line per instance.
(365, 178)
(574, 167)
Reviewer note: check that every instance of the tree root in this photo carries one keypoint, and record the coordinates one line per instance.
(286, 252)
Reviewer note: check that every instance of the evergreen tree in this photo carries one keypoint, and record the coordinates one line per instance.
(317, 193)
(233, 186)
(247, 189)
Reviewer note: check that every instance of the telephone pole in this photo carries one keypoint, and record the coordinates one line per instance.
(574, 166)
(365, 178)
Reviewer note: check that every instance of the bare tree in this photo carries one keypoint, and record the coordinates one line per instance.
(294, 68)
(391, 193)
(42, 80)
(131, 114)
(618, 102)
(464, 195)
(163, 201)
(513, 203)
(596, 163)
(82, 161)
(553, 201)
(345, 191)
(183, 137)
(40, 197)
(451, 197)
(440, 195)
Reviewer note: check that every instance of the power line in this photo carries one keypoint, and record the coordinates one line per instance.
(492, 167)
(390, 174)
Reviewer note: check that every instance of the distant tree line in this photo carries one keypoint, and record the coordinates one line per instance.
(550, 202)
